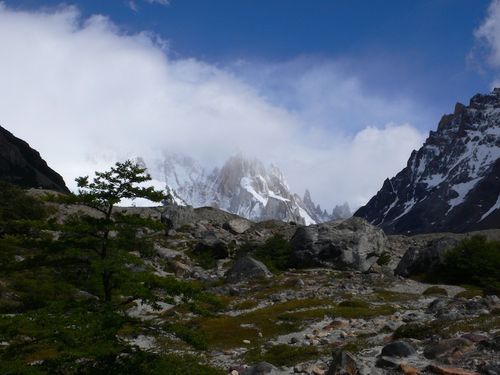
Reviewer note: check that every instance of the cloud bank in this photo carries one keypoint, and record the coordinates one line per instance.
(488, 42)
(85, 94)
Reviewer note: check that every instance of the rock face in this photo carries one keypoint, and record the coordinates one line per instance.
(21, 165)
(453, 182)
(247, 268)
(241, 186)
(351, 243)
(425, 258)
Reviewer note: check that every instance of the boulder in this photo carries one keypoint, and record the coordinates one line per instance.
(343, 363)
(447, 347)
(425, 258)
(247, 268)
(237, 226)
(261, 368)
(398, 349)
(175, 216)
(213, 244)
(351, 243)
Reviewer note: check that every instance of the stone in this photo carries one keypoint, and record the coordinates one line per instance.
(237, 226)
(436, 305)
(446, 347)
(352, 244)
(181, 269)
(475, 337)
(408, 370)
(175, 216)
(491, 369)
(247, 268)
(388, 362)
(450, 370)
(261, 368)
(343, 363)
(213, 245)
(398, 349)
(425, 258)
(315, 370)
(21, 165)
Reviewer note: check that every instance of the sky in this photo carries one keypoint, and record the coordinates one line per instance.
(335, 93)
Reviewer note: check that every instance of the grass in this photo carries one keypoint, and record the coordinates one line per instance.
(282, 355)
(448, 328)
(435, 291)
(390, 296)
(226, 332)
(256, 326)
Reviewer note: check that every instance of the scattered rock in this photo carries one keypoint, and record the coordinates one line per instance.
(247, 268)
(450, 370)
(447, 347)
(237, 226)
(398, 349)
(351, 243)
(343, 363)
(408, 370)
(261, 368)
(427, 257)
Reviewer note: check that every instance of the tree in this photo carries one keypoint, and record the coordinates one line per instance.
(123, 181)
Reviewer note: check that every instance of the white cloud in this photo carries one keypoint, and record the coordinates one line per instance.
(85, 94)
(489, 32)
(161, 2)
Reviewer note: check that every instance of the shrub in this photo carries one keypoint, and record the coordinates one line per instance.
(435, 290)
(384, 259)
(474, 261)
(274, 253)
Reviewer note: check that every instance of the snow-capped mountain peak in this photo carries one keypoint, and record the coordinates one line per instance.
(452, 183)
(243, 186)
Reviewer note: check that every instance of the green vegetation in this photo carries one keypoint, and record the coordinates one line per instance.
(189, 335)
(475, 261)
(282, 355)
(56, 315)
(448, 328)
(278, 319)
(435, 291)
(123, 181)
(384, 259)
(274, 253)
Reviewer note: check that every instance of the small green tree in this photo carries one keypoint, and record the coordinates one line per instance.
(123, 181)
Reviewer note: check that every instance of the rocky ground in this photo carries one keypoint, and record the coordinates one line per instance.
(359, 319)
(347, 306)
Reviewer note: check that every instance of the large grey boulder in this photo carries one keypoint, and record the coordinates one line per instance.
(247, 268)
(427, 257)
(237, 226)
(261, 368)
(352, 243)
(175, 216)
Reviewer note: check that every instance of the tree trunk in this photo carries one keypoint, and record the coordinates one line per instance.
(106, 283)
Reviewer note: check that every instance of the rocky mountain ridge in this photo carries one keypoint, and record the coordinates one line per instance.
(452, 183)
(244, 187)
(22, 165)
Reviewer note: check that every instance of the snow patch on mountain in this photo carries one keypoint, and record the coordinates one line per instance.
(242, 186)
(451, 181)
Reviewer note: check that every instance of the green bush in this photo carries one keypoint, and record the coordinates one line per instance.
(191, 336)
(475, 261)
(274, 253)
(435, 290)
(18, 210)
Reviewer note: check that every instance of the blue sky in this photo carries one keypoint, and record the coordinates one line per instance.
(416, 47)
(336, 93)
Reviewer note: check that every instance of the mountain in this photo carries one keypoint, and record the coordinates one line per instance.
(452, 183)
(241, 186)
(21, 165)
